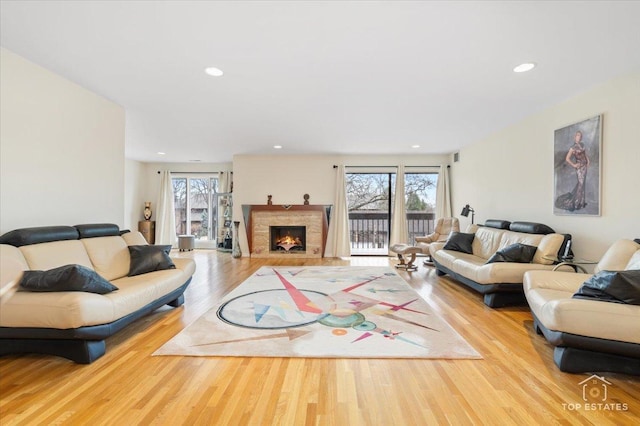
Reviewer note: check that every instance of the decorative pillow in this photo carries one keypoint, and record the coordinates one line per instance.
(612, 286)
(459, 241)
(149, 258)
(66, 278)
(518, 253)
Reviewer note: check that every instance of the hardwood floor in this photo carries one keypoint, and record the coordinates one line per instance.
(516, 382)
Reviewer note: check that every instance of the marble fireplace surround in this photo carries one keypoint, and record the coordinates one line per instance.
(259, 217)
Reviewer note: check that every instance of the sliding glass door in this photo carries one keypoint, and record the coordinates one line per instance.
(369, 199)
(194, 208)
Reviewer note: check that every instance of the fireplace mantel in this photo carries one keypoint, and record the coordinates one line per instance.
(315, 216)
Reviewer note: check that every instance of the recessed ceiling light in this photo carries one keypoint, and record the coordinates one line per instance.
(415, 146)
(277, 147)
(216, 72)
(161, 153)
(527, 66)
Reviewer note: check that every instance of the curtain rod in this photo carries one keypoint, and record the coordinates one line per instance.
(406, 167)
(197, 173)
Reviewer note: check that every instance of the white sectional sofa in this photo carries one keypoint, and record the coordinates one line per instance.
(74, 324)
(499, 282)
(589, 335)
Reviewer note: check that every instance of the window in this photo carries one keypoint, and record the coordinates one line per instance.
(193, 201)
(370, 200)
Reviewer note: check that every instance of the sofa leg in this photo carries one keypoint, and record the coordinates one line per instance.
(78, 351)
(177, 302)
(499, 300)
(572, 360)
(536, 326)
(440, 273)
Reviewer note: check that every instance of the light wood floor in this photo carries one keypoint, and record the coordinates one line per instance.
(516, 382)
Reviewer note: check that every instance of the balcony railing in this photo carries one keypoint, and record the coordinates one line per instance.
(369, 230)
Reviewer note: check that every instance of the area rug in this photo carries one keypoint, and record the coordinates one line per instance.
(321, 312)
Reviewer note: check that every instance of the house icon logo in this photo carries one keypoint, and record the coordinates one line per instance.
(594, 389)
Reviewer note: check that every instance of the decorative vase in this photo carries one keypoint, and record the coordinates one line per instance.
(147, 210)
(236, 252)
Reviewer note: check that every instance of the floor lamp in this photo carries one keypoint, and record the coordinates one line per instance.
(465, 212)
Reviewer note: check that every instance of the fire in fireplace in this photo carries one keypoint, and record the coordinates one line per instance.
(288, 238)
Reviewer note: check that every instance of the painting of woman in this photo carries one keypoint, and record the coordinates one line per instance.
(577, 192)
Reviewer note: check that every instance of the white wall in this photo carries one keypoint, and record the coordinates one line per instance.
(510, 174)
(288, 177)
(61, 150)
(134, 190)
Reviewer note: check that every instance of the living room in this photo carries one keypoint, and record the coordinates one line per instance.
(66, 158)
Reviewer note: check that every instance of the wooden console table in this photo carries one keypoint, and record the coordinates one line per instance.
(148, 229)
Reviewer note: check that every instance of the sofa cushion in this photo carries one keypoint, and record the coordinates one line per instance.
(45, 256)
(634, 262)
(109, 256)
(487, 241)
(146, 258)
(518, 252)
(66, 278)
(548, 249)
(460, 241)
(617, 256)
(497, 223)
(531, 228)
(134, 239)
(612, 286)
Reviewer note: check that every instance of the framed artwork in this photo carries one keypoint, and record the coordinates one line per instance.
(577, 168)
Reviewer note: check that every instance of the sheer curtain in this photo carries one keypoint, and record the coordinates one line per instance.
(166, 220)
(225, 181)
(399, 231)
(443, 194)
(338, 244)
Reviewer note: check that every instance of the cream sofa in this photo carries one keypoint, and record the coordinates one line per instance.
(74, 324)
(588, 335)
(500, 282)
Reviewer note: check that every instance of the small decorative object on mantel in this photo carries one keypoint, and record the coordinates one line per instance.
(147, 210)
(269, 202)
(306, 199)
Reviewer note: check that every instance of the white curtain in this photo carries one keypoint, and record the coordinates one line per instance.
(225, 181)
(443, 194)
(166, 219)
(338, 243)
(399, 231)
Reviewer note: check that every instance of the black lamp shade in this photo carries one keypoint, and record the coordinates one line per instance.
(465, 211)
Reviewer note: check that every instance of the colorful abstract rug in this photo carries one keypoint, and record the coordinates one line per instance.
(321, 312)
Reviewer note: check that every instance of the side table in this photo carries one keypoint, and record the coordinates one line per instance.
(574, 263)
(148, 230)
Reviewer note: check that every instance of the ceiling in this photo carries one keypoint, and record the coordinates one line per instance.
(323, 77)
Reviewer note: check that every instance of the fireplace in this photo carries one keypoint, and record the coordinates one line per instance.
(260, 218)
(288, 239)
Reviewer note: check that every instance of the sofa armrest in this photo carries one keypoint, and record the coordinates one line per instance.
(427, 238)
(434, 247)
(554, 280)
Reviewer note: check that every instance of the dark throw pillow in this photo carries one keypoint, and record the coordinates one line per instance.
(459, 241)
(149, 258)
(66, 278)
(612, 286)
(518, 253)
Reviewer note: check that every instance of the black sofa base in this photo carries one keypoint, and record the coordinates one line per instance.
(495, 295)
(581, 354)
(82, 345)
